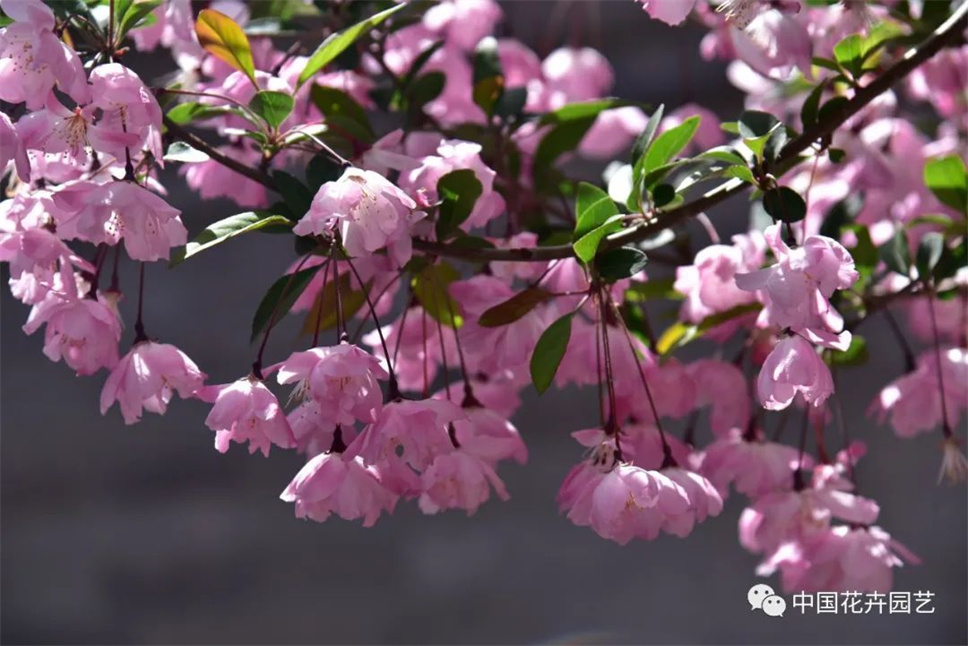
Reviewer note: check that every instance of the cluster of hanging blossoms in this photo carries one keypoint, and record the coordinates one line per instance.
(452, 259)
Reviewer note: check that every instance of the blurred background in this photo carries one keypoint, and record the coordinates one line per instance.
(145, 534)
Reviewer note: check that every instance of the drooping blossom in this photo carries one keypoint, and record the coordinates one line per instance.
(121, 211)
(129, 115)
(911, 404)
(793, 367)
(755, 467)
(723, 387)
(247, 411)
(342, 379)
(672, 12)
(369, 212)
(710, 282)
(12, 150)
(774, 43)
(612, 132)
(575, 74)
(458, 480)
(147, 377)
(334, 483)
(419, 427)
(82, 331)
(33, 59)
(840, 559)
(797, 287)
(486, 434)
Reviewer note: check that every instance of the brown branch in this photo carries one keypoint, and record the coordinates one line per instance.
(947, 34)
(197, 142)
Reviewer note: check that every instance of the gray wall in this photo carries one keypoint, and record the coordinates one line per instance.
(145, 534)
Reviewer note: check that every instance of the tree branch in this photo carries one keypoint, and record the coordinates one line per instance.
(946, 34)
(197, 142)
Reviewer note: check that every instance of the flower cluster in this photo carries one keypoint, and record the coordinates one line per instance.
(453, 260)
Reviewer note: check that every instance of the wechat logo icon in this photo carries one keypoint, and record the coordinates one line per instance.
(763, 597)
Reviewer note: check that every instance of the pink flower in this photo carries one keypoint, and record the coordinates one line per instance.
(147, 377)
(33, 59)
(576, 74)
(247, 411)
(724, 388)
(211, 179)
(704, 501)
(840, 559)
(487, 435)
(493, 349)
(342, 379)
(458, 480)
(116, 211)
(130, 117)
(774, 44)
(912, 403)
(12, 150)
(943, 81)
(612, 132)
(793, 367)
(797, 287)
(416, 346)
(336, 483)
(520, 64)
(419, 427)
(710, 282)
(628, 502)
(457, 155)
(755, 467)
(672, 12)
(84, 332)
(463, 22)
(370, 212)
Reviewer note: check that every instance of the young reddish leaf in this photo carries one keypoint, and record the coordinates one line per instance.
(514, 308)
(223, 38)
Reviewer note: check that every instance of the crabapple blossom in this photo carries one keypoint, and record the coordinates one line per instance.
(419, 427)
(147, 377)
(458, 480)
(369, 212)
(335, 483)
(755, 467)
(247, 411)
(12, 150)
(798, 286)
(342, 379)
(793, 367)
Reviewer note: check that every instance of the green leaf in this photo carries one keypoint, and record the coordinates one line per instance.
(580, 111)
(514, 308)
(754, 124)
(654, 288)
(929, 253)
(424, 90)
(351, 300)
(679, 334)
(272, 106)
(849, 54)
(592, 208)
(297, 195)
(856, 353)
(431, 287)
(784, 204)
(562, 138)
(587, 246)
(458, 192)
(826, 63)
(723, 154)
(663, 194)
(343, 114)
(811, 105)
(280, 298)
(896, 254)
(775, 143)
(948, 180)
(624, 262)
(644, 140)
(549, 351)
(133, 14)
(741, 173)
(192, 111)
(832, 108)
(223, 38)
(488, 75)
(669, 144)
(338, 42)
(230, 227)
(179, 151)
